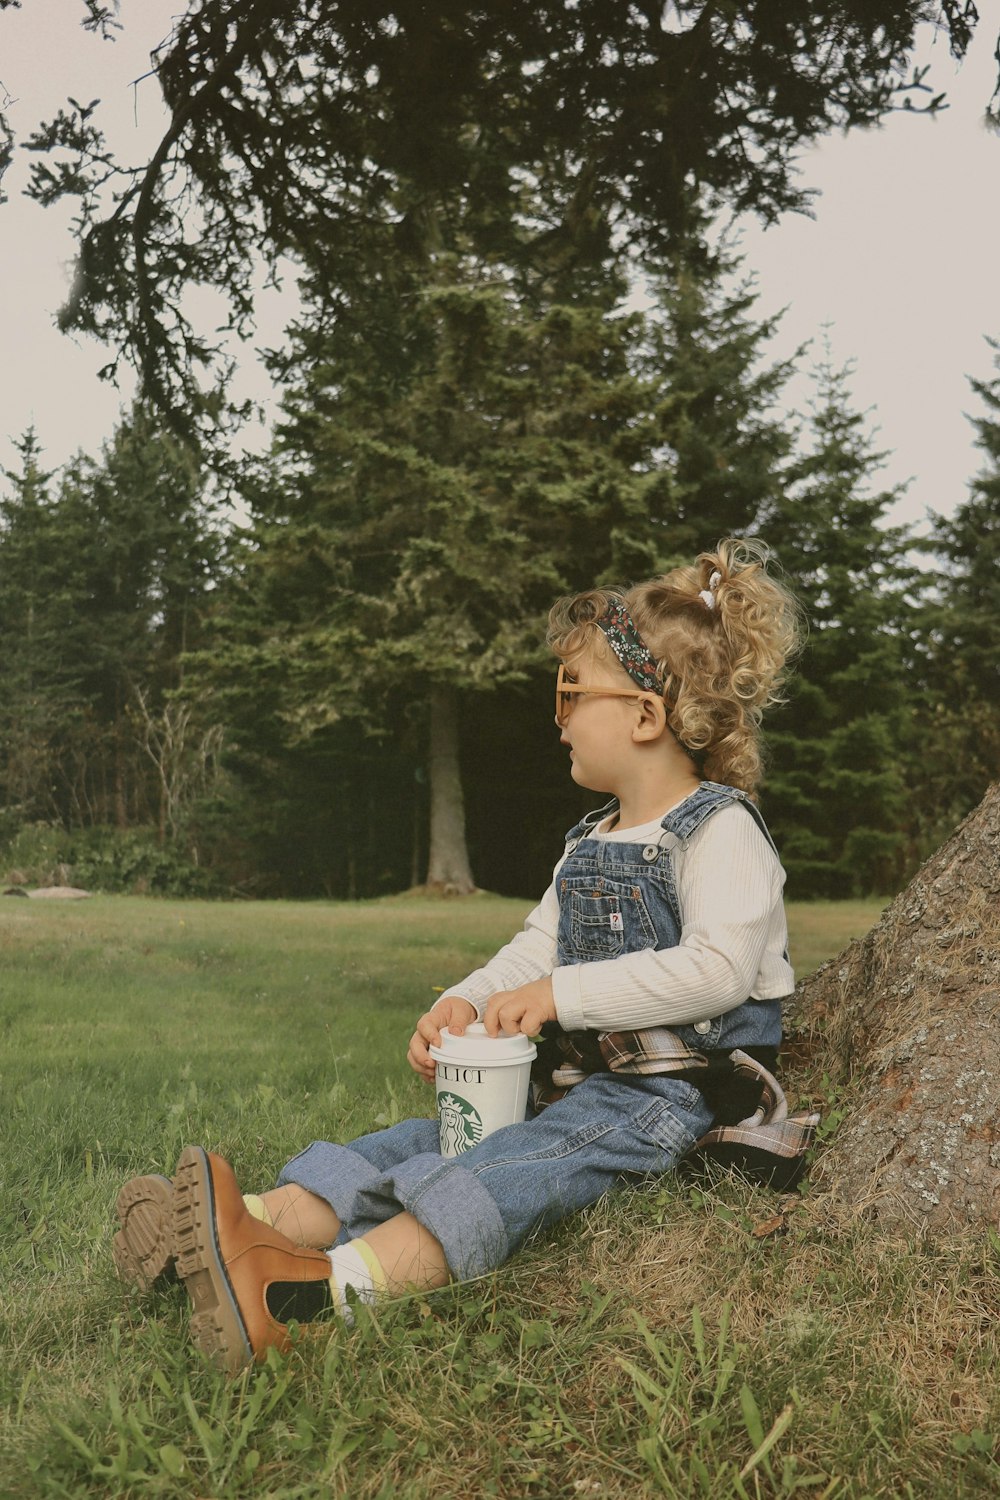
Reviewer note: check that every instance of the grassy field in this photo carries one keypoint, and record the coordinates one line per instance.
(679, 1340)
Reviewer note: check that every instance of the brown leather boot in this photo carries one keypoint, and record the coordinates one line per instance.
(228, 1260)
(143, 1248)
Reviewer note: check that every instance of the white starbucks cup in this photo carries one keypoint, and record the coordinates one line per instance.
(481, 1083)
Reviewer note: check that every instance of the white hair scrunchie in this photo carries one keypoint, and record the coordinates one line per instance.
(709, 594)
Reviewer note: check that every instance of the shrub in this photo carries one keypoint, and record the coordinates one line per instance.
(128, 861)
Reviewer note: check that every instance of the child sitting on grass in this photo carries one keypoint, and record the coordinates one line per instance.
(664, 917)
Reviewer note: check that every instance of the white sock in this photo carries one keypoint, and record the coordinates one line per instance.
(354, 1265)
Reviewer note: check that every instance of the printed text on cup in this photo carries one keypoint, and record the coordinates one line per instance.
(451, 1074)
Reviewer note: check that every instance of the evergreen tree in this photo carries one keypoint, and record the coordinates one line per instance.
(145, 553)
(327, 132)
(723, 446)
(103, 575)
(437, 484)
(961, 727)
(455, 453)
(39, 690)
(836, 794)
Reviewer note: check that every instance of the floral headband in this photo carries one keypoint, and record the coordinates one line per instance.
(629, 647)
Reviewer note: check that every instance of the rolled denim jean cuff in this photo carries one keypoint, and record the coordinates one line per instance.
(452, 1203)
(334, 1173)
(447, 1199)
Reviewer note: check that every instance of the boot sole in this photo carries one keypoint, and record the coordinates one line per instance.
(143, 1248)
(217, 1327)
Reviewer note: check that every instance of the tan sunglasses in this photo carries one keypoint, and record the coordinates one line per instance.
(565, 691)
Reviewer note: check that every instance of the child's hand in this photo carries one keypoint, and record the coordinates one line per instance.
(453, 1012)
(523, 1009)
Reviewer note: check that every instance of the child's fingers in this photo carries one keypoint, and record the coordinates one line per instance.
(503, 1014)
(425, 1069)
(490, 1014)
(515, 1011)
(428, 1029)
(505, 1011)
(458, 1015)
(417, 1054)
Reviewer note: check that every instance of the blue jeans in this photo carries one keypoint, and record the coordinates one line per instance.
(482, 1205)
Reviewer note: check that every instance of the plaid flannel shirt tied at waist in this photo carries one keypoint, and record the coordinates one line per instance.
(768, 1145)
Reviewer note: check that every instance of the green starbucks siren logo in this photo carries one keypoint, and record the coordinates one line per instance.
(461, 1124)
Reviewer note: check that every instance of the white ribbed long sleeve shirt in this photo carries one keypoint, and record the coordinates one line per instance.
(729, 885)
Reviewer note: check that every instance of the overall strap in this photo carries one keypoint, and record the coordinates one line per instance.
(591, 821)
(682, 821)
(709, 798)
(758, 818)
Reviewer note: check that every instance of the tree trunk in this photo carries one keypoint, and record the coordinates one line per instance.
(121, 790)
(905, 1023)
(418, 824)
(448, 868)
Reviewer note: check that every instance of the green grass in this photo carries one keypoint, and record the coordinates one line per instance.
(661, 1344)
(818, 930)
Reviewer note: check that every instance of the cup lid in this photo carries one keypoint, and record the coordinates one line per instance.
(476, 1045)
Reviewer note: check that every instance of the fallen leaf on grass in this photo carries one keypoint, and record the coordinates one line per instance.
(765, 1229)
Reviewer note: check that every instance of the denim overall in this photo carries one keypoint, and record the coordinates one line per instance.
(614, 898)
(617, 898)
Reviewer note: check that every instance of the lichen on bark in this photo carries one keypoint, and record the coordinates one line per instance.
(905, 1025)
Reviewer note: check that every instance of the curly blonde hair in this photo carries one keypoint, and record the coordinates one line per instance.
(722, 664)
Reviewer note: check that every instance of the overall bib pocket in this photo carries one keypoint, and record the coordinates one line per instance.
(601, 918)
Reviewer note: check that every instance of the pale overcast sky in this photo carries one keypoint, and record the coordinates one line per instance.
(900, 259)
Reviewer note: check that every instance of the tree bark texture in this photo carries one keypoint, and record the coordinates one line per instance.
(448, 868)
(906, 1024)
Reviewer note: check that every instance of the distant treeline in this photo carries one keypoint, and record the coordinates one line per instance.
(275, 708)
